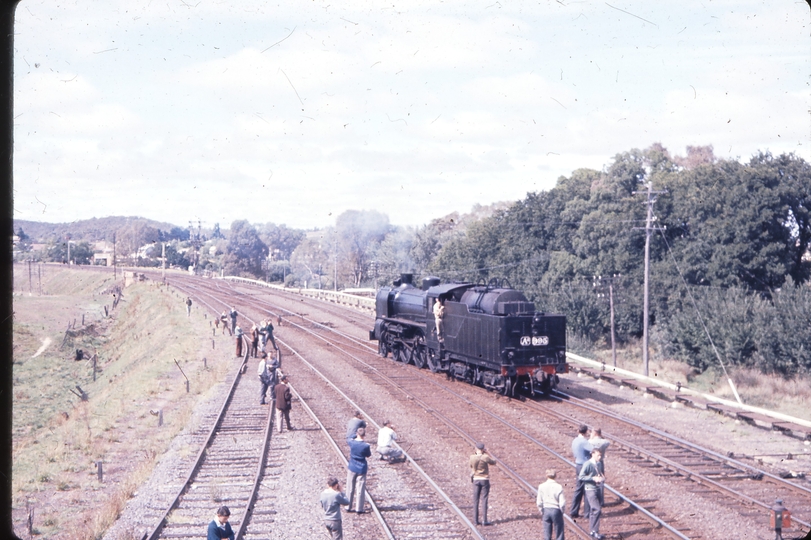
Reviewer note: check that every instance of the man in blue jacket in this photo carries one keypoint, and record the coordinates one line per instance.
(357, 468)
(581, 448)
(219, 527)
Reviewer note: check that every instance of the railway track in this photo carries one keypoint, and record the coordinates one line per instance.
(468, 433)
(705, 471)
(397, 516)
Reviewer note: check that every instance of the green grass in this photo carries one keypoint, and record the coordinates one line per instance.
(57, 438)
(788, 396)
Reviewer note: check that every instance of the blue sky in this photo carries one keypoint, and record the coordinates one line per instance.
(295, 111)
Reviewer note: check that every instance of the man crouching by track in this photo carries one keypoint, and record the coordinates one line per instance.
(219, 526)
(385, 444)
(331, 500)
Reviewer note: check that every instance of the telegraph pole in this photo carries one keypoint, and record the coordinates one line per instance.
(649, 228)
(163, 256)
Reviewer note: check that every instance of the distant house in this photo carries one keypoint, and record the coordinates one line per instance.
(103, 253)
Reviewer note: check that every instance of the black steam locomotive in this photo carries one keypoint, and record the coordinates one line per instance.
(490, 334)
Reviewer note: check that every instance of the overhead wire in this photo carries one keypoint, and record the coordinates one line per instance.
(701, 319)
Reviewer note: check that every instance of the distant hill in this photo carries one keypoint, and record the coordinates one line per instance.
(90, 230)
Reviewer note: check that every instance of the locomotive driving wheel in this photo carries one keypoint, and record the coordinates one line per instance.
(401, 353)
(420, 352)
(383, 345)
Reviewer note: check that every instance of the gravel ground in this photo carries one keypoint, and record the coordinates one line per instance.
(303, 460)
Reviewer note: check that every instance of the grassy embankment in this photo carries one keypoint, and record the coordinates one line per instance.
(788, 396)
(57, 438)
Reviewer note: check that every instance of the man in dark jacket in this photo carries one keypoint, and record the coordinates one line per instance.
(357, 469)
(592, 477)
(233, 319)
(352, 426)
(284, 401)
(219, 527)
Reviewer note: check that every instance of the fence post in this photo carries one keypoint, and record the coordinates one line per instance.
(100, 471)
(160, 417)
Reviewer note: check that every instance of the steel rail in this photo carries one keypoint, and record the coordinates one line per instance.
(652, 455)
(529, 488)
(419, 469)
(668, 437)
(690, 474)
(413, 463)
(383, 525)
(155, 533)
(526, 486)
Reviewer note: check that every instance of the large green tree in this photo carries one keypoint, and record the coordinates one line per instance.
(246, 253)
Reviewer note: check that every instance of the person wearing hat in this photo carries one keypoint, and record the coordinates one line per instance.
(480, 477)
(284, 402)
(551, 503)
(592, 477)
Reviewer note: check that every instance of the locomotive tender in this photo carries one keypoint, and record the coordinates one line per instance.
(491, 333)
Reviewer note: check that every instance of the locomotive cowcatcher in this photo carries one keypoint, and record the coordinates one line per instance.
(491, 336)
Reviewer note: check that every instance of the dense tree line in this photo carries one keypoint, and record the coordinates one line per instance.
(732, 239)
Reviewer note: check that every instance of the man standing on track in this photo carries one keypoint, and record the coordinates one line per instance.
(254, 341)
(225, 325)
(188, 306)
(267, 377)
(480, 477)
(582, 452)
(331, 500)
(552, 504)
(238, 333)
(592, 477)
(233, 319)
(284, 402)
(597, 441)
(356, 472)
(352, 426)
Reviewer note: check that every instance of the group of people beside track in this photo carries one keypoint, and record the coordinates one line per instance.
(332, 498)
(588, 449)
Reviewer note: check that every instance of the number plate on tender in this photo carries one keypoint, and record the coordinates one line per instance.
(540, 340)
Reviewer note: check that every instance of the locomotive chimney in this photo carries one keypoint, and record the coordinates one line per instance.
(407, 278)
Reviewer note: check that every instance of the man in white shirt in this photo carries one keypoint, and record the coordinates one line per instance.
(385, 443)
(551, 503)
